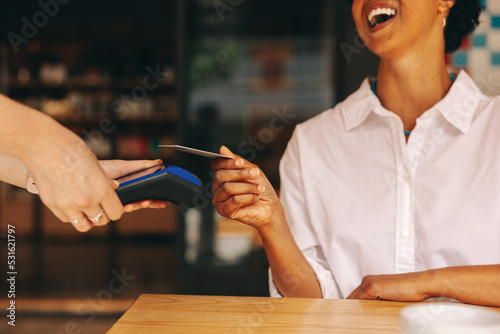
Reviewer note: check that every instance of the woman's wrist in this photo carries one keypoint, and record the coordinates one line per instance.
(436, 283)
(38, 128)
(276, 225)
(13, 171)
(53, 141)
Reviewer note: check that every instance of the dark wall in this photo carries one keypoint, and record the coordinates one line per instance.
(354, 60)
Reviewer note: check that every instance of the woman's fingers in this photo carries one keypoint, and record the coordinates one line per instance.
(156, 204)
(151, 204)
(221, 163)
(225, 151)
(354, 294)
(223, 176)
(94, 208)
(83, 226)
(231, 206)
(137, 206)
(117, 168)
(79, 221)
(230, 189)
(235, 163)
(97, 218)
(109, 202)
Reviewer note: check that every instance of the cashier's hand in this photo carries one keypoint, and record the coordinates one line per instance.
(242, 192)
(67, 175)
(119, 168)
(399, 287)
(61, 190)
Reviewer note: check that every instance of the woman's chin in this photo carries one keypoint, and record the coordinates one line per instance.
(387, 48)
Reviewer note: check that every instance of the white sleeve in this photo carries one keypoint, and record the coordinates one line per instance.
(292, 196)
(329, 288)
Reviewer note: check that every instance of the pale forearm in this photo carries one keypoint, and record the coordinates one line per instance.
(19, 127)
(478, 285)
(291, 272)
(13, 171)
(26, 133)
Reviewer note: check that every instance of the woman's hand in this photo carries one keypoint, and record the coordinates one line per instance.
(118, 168)
(242, 192)
(478, 285)
(400, 287)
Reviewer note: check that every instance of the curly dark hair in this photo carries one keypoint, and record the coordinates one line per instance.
(462, 20)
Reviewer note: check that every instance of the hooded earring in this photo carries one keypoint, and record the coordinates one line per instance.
(444, 22)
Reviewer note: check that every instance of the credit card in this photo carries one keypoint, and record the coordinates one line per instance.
(190, 150)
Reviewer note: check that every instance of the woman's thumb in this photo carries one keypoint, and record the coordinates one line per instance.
(225, 151)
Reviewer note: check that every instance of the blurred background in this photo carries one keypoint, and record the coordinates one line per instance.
(129, 75)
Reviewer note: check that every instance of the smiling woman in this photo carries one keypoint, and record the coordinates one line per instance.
(462, 19)
(408, 212)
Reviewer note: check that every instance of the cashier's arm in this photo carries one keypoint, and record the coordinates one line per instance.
(478, 285)
(15, 172)
(242, 192)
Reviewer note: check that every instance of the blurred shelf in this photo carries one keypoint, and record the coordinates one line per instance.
(86, 120)
(80, 85)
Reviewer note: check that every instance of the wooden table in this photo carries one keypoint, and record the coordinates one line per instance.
(207, 314)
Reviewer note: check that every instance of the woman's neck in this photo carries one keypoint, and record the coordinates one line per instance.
(410, 87)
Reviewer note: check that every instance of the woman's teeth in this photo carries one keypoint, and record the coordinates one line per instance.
(380, 15)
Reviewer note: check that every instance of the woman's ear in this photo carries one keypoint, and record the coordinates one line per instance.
(444, 6)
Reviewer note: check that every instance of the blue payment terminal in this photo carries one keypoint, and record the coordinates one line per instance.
(167, 182)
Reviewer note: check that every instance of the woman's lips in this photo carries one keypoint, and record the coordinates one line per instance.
(379, 15)
(381, 25)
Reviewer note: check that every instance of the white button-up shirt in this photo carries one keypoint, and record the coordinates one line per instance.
(360, 200)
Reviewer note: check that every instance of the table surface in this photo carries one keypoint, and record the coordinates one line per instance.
(209, 314)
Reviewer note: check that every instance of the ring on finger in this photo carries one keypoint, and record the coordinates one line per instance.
(102, 222)
(77, 221)
(97, 219)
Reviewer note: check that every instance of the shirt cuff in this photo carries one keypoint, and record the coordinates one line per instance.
(273, 290)
(329, 288)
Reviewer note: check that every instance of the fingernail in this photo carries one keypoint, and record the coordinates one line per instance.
(254, 172)
(239, 163)
(261, 188)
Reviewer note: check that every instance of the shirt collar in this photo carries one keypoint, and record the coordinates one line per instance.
(457, 107)
(460, 104)
(356, 108)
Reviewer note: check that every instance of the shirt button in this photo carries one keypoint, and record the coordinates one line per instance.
(425, 127)
(405, 234)
(406, 176)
